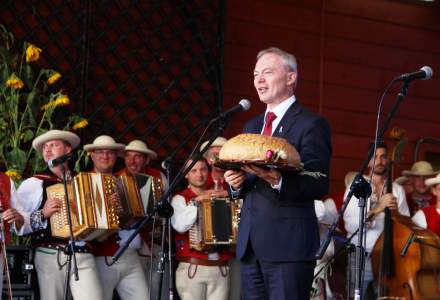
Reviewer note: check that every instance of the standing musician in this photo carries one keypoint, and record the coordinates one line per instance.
(200, 275)
(10, 216)
(429, 217)
(421, 195)
(126, 275)
(216, 181)
(376, 204)
(278, 233)
(50, 256)
(137, 157)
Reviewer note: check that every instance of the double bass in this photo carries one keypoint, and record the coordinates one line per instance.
(406, 258)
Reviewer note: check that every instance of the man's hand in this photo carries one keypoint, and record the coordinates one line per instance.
(11, 215)
(50, 207)
(217, 193)
(386, 201)
(270, 175)
(235, 178)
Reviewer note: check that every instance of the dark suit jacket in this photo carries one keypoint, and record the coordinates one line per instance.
(282, 226)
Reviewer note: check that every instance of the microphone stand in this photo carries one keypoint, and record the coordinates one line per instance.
(70, 249)
(163, 208)
(165, 257)
(362, 190)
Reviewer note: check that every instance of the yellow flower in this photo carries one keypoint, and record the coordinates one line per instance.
(32, 53)
(13, 174)
(14, 82)
(53, 78)
(60, 101)
(81, 124)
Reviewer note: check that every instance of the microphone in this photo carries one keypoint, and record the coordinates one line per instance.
(59, 160)
(424, 73)
(243, 105)
(165, 163)
(407, 244)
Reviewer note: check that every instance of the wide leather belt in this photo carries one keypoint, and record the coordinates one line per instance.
(64, 247)
(202, 262)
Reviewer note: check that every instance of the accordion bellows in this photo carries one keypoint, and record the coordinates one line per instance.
(248, 147)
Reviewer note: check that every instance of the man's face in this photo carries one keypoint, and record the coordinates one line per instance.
(103, 160)
(198, 175)
(135, 162)
(273, 82)
(380, 163)
(436, 191)
(54, 149)
(418, 183)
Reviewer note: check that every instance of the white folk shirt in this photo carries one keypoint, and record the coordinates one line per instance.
(374, 228)
(419, 218)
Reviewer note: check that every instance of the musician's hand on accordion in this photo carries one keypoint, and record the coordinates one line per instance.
(51, 206)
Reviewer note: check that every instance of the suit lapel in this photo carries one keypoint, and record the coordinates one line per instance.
(288, 120)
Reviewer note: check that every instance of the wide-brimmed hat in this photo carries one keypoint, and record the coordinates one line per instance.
(433, 181)
(104, 142)
(401, 180)
(55, 134)
(420, 168)
(349, 177)
(218, 142)
(139, 146)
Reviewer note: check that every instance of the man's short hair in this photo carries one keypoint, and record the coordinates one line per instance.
(380, 144)
(288, 59)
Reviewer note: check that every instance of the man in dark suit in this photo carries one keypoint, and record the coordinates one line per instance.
(278, 233)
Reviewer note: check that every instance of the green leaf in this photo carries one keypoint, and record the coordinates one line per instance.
(28, 135)
(28, 76)
(16, 158)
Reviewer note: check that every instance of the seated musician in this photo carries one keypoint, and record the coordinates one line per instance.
(376, 204)
(10, 216)
(200, 274)
(137, 157)
(421, 196)
(50, 255)
(126, 275)
(429, 217)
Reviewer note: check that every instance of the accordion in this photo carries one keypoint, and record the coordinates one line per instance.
(217, 223)
(100, 204)
(137, 194)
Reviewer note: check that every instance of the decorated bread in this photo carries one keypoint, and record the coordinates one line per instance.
(257, 148)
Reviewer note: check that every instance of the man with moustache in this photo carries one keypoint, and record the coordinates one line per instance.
(137, 157)
(278, 233)
(376, 204)
(126, 276)
(50, 257)
(421, 196)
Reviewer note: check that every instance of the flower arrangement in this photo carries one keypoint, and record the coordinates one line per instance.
(28, 104)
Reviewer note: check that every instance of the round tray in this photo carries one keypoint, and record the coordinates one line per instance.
(236, 165)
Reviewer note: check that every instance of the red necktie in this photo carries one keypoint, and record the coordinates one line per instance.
(270, 116)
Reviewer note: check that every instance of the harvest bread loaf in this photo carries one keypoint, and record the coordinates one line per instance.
(257, 148)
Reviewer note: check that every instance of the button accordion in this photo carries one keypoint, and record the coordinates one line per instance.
(216, 224)
(100, 204)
